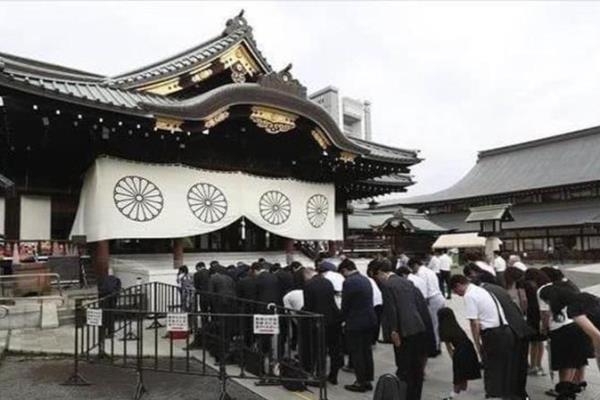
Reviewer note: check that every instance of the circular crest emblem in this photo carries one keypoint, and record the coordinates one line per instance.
(275, 207)
(317, 208)
(137, 198)
(207, 202)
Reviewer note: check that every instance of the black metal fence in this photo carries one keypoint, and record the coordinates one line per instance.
(220, 341)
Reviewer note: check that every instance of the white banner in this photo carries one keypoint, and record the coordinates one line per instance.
(128, 200)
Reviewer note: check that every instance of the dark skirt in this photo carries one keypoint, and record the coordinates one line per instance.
(465, 364)
(570, 347)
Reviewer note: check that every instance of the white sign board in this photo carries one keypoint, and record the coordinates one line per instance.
(94, 316)
(177, 322)
(266, 324)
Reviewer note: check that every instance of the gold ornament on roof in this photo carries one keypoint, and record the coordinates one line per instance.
(321, 138)
(216, 118)
(168, 124)
(272, 120)
(346, 156)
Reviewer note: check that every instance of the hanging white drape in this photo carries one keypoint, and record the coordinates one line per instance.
(36, 216)
(127, 200)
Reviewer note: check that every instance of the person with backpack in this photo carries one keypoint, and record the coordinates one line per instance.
(465, 364)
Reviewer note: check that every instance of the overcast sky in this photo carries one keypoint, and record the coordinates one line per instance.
(446, 78)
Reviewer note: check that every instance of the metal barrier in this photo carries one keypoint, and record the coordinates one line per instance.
(224, 344)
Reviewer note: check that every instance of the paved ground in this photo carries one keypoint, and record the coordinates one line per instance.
(38, 378)
(47, 373)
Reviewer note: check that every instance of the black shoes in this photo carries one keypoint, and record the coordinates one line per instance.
(359, 387)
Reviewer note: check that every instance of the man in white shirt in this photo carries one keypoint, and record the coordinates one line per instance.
(434, 263)
(515, 261)
(329, 272)
(499, 266)
(445, 273)
(434, 298)
(492, 336)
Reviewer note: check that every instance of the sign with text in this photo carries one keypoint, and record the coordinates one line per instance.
(177, 322)
(94, 316)
(266, 324)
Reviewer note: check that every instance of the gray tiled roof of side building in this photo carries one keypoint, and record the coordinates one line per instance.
(554, 161)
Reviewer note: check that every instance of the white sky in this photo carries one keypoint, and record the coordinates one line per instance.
(446, 78)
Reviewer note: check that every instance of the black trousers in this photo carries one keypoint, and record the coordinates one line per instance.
(499, 346)
(444, 278)
(378, 311)
(411, 358)
(309, 339)
(361, 353)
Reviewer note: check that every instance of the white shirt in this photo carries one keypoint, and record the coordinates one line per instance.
(431, 280)
(336, 279)
(480, 305)
(419, 283)
(377, 298)
(520, 265)
(294, 300)
(499, 264)
(486, 267)
(553, 325)
(445, 262)
(434, 264)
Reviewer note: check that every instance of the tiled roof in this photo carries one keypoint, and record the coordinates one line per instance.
(237, 31)
(386, 153)
(560, 160)
(86, 93)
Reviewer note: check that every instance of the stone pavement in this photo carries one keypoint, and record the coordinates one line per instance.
(35, 378)
(439, 370)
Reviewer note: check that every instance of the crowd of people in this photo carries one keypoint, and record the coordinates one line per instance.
(511, 310)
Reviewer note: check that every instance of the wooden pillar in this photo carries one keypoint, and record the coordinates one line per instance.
(177, 253)
(100, 259)
(333, 245)
(289, 250)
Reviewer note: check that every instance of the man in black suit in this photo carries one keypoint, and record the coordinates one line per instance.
(319, 298)
(405, 322)
(246, 290)
(201, 284)
(359, 315)
(268, 292)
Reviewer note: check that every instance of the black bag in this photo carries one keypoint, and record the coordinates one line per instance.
(254, 361)
(292, 370)
(389, 387)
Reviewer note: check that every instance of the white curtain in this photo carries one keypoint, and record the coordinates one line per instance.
(122, 199)
(35, 220)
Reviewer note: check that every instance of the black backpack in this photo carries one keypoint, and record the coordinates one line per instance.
(291, 369)
(389, 387)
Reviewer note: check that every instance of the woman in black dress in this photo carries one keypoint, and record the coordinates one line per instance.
(465, 364)
(534, 279)
(583, 308)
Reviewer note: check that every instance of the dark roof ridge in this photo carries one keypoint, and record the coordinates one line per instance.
(539, 142)
(46, 69)
(385, 146)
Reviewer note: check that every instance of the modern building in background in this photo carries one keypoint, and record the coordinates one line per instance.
(352, 116)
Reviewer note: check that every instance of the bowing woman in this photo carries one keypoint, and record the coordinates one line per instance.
(583, 308)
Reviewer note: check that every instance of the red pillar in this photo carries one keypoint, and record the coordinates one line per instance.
(177, 253)
(101, 258)
(333, 245)
(289, 250)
